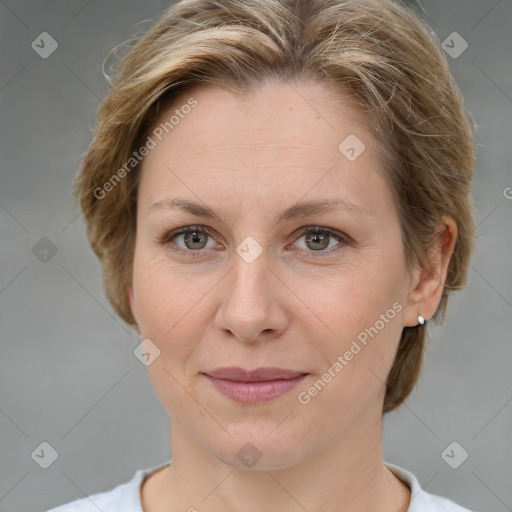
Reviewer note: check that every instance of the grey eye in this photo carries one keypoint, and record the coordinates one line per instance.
(195, 240)
(318, 241)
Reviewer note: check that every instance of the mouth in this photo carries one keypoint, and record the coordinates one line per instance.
(254, 386)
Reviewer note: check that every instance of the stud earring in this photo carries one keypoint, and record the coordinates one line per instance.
(421, 320)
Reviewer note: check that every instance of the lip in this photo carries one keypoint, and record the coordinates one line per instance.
(254, 386)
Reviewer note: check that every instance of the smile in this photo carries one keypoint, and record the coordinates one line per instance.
(256, 386)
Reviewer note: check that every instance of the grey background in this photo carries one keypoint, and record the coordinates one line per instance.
(68, 374)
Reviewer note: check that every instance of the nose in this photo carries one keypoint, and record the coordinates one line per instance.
(253, 302)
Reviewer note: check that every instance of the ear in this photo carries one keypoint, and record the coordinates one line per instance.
(427, 284)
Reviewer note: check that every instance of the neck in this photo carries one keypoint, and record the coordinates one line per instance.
(348, 475)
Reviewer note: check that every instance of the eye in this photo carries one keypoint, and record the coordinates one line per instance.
(194, 239)
(318, 239)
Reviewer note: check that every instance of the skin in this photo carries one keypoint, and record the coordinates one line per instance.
(248, 160)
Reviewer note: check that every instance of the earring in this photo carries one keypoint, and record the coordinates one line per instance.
(421, 320)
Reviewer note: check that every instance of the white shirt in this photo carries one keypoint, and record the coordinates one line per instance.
(126, 497)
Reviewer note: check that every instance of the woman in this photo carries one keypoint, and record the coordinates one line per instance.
(279, 195)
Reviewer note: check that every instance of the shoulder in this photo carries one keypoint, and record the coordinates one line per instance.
(124, 497)
(107, 501)
(422, 501)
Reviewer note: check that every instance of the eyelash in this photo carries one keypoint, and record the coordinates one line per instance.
(343, 239)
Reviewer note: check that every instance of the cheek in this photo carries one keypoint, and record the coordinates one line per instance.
(355, 314)
(168, 307)
(356, 352)
(167, 295)
(165, 306)
(344, 301)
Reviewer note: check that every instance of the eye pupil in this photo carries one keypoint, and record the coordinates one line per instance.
(322, 240)
(194, 237)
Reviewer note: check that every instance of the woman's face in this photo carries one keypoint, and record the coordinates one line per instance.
(251, 290)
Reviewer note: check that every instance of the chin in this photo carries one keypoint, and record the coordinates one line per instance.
(253, 448)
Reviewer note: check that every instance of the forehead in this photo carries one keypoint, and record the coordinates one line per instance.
(271, 113)
(279, 139)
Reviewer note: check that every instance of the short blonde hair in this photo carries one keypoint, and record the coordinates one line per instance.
(377, 50)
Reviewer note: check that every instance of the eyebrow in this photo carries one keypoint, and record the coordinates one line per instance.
(298, 210)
